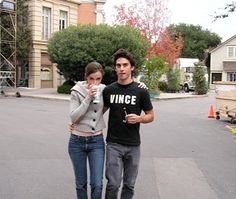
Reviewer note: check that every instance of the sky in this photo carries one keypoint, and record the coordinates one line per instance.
(196, 12)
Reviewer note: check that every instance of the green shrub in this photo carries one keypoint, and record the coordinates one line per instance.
(69, 82)
(76, 46)
(65, 87)
(152, 71)
(173, 78)
(163, 86)
(199, 80)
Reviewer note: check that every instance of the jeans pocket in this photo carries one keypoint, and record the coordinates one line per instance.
(73, 138)
(98, 142)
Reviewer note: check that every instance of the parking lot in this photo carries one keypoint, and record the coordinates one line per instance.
(184, 153)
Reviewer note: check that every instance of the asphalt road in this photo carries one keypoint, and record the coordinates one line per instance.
(185, 155)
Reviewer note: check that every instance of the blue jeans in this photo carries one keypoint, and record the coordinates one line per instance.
(121, 161)
(93, 149)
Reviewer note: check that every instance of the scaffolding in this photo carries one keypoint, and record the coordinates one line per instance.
(8, 19)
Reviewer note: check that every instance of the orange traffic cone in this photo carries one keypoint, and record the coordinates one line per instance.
(211, 113)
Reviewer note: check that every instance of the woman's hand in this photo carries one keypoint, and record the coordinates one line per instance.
(92, 90)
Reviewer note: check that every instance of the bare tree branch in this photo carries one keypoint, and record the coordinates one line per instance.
(229, 8)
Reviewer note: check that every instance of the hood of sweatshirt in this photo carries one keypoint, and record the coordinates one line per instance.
(80, 87)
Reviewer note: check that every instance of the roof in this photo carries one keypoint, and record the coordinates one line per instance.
(222, 44)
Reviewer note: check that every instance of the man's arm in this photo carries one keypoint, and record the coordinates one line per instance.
(146, 118)
(104, 109)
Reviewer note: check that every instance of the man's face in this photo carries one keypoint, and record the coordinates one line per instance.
(123, 69)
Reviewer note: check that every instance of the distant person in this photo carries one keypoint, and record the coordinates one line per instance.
(126, 102)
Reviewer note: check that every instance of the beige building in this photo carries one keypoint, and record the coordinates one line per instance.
(223, 62)
(47, 17)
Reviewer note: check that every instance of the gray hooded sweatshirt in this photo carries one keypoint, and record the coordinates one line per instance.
(84, 114)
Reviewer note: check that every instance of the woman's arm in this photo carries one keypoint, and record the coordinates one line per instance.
(77, 107)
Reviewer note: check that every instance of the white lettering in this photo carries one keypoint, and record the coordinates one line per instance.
(117, 97)
(133, 100)
(112, 97)
(123, 99)
(127, 99)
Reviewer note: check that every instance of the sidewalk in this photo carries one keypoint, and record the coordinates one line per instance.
(51, 93)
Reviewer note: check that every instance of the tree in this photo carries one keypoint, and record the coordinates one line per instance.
(173, 80)
(229, 8)
(196, 40)
(73, 48)
(24, 35)
(199, 80)
(23, 39)
(150, 18)
(23, 32)
(152, 71)
(169, 47)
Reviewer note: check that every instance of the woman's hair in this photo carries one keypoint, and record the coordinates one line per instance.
(122, 53)
(93, 67)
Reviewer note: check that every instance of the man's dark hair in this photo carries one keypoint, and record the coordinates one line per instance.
(122, 53)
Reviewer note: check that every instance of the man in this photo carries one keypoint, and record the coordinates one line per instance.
(126, 102)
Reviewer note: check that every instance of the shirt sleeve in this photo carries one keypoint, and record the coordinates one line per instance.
(146, 103)
(105, 97)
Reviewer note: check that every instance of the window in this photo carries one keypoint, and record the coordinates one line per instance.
(46, 73)
(231, 76)
(63, 21)
(216, 77)
(46, 23)
(232, 51)
(7, 5)
(189, 69)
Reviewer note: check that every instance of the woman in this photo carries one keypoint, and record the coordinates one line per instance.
(86, 140)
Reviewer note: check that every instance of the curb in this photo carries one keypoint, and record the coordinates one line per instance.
(67, 97)
(46, 97)
(37, 96)
(179, 97)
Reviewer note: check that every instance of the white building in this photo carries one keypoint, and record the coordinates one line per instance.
(223, 62)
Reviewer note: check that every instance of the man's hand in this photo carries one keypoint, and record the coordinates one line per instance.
(71, 127)
(146, 118)
(133, 118)
(142, 85)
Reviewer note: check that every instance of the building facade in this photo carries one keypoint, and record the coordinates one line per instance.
(47, 17)
(223, 62)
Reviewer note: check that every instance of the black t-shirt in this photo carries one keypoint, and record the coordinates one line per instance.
(120, 98)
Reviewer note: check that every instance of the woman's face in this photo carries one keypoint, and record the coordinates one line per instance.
(94, 78)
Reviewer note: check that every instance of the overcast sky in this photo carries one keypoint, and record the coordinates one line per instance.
(196, 12)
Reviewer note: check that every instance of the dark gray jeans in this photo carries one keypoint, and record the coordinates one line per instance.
(121, 159)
